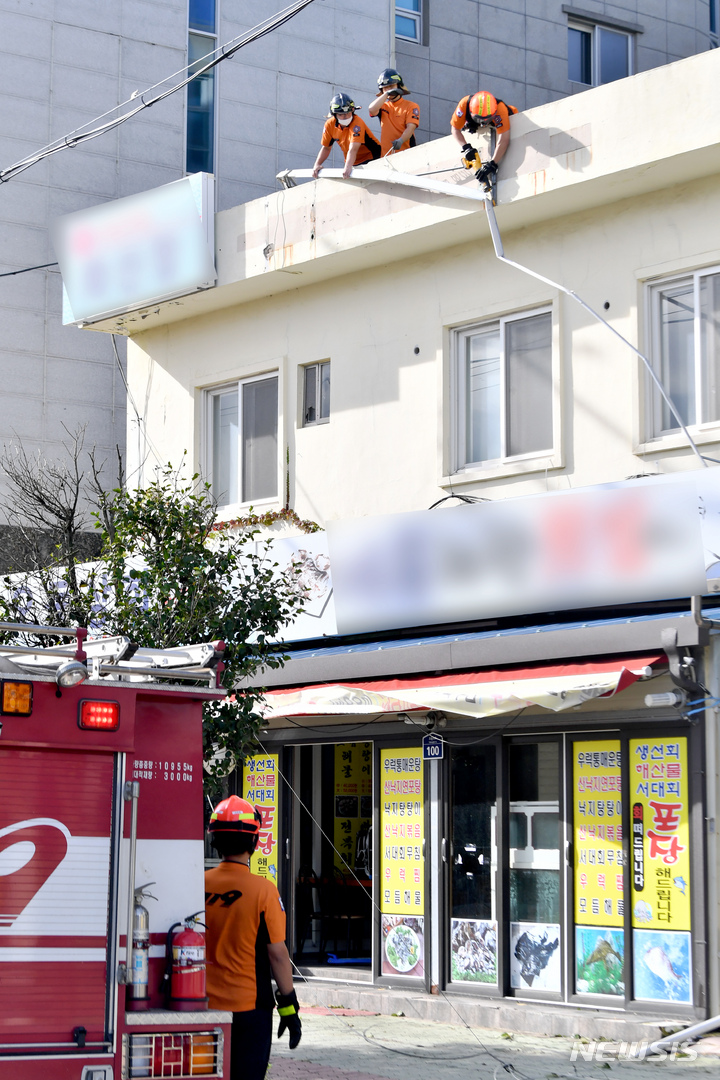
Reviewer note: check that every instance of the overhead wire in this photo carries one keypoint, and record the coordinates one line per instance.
(27, 269)
(94, 128)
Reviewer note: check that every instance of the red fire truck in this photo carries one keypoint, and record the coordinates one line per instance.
(101, 807)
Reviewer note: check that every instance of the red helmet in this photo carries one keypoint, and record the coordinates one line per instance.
(236, 815)
(482, 105)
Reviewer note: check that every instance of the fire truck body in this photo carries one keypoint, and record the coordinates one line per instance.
(99, 782)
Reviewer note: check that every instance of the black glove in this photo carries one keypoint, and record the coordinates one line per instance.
(288, 1009)
(468, 152)
(487, 173)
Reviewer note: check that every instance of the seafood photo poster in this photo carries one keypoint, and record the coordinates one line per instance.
(535, 956)
(473, 956)
(599, 960)
(662, 966)
(403, 945)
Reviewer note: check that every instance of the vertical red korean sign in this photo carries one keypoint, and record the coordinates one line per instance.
(260, 787)
(660, 869)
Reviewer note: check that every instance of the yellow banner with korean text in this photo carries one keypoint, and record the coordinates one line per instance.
(660, 834)
(260, 787)
(402, 831)
(353, 805)
(597, 788)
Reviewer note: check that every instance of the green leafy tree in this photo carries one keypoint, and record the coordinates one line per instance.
(168, 575)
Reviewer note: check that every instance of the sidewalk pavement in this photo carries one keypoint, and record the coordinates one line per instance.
(345, 1044)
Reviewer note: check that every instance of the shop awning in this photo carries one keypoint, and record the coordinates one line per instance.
(478, 693)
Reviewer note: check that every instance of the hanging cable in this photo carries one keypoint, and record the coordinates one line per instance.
(27, 269)
(86, 132)
(500, 254)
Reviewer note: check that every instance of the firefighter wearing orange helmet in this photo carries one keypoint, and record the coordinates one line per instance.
(245, 922)
(473, 113)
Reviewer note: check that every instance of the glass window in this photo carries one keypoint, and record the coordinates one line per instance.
(200, 138)
(579, 54)
(613, 60)
(534, 870)
(316, 393)
(505, 388)
(597, 54)
(408, 14)
(473, 904)
(685, 336)
(201, 15)
(244, 441)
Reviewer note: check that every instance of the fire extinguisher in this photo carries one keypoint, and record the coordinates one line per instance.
(138, 996)
(184, 979)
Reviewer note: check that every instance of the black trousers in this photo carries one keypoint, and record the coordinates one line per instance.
(250, 1044)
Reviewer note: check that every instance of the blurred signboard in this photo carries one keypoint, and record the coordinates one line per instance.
(141, 250)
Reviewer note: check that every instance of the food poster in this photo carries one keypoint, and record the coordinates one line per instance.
(599, 960)
(260, 787)
(535, 956)
(353, 808)
(473, 951)
(598, 867)
(660, 854)
(402, 861)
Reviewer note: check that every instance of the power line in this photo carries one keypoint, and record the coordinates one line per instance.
(27, 269)
(93, 129)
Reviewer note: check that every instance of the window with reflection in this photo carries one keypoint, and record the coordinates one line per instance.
(473, 903)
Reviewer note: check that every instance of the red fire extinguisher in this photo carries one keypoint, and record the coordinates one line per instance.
(184, 980)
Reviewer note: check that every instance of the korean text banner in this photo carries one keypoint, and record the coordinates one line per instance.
(598, 833)
(402, 831)
(353, 805)
(660, 834)
(260, 787)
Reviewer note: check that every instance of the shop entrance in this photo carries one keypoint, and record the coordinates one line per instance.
(332, 857)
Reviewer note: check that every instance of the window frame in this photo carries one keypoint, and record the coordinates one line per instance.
(413, 16)
(653, 432)
(210, 394)
(212, 39)
(318, 365)
(459, 469)
(593, 29)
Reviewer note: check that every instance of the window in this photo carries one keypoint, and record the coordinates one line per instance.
(200, 134)
(408, 15)
(243, 441)
(685, 346)
(505, 388)
(316, 393)
(597, 54)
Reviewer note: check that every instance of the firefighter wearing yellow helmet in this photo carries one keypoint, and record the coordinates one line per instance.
(245, 922)
(474, 113)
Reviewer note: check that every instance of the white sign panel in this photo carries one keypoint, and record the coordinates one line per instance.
(136, 251)
(623, 543)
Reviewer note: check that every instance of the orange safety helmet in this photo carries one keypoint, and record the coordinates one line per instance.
(236, 815)
(482, 105)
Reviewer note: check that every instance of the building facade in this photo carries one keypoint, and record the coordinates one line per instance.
(366, 359)
(260, 112)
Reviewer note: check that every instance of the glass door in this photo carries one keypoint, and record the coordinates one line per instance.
(533, 857)
(473, 866)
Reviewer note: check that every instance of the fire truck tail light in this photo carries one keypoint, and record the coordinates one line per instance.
(99, 715)
(16, 699)
(181, 1054)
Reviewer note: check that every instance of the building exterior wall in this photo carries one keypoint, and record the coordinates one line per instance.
(63, 65)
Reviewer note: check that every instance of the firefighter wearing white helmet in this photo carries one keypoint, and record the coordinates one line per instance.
(245, 922)
(351, 134)
(399, 117)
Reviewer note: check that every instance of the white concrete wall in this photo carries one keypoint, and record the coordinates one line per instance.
(427, 267)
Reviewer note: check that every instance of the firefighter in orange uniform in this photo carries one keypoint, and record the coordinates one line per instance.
(350, 132)
(473, 114)
(245, 922)
(399, 118)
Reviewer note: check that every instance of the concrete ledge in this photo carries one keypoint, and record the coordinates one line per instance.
(504, 1015)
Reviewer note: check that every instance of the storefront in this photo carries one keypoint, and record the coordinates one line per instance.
(554, 853)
